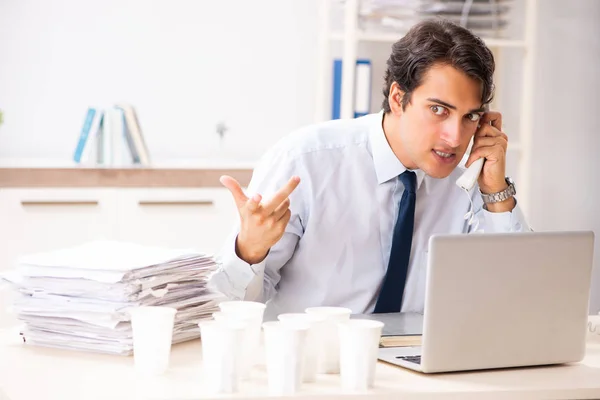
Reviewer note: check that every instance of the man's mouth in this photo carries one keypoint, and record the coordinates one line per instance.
(442, 154)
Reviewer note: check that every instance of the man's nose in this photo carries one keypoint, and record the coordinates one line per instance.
(452, 133)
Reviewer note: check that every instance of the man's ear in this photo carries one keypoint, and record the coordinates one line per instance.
(395, 99)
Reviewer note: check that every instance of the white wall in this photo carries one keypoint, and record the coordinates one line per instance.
(185, 65)
(566, 177)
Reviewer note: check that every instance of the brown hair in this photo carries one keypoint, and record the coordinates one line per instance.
(433, 42)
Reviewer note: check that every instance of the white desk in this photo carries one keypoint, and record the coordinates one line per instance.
(28, 372)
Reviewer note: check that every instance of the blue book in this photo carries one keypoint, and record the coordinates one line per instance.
(84, 136)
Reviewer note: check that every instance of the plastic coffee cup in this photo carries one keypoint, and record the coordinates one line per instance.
(252, 312)
(221, 354)
(284, 348)
(152, 329)
(328, 344)
(359, 347)
(315, 333)
(247, 340)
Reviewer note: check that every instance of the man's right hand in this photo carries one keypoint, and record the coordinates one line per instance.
(262, 224)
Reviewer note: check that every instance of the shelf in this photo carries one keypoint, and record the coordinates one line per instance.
(141, 177)
(393, 37)
(160, 164)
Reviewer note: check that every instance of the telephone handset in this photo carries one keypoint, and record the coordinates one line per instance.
(468, 179)
(466, 182)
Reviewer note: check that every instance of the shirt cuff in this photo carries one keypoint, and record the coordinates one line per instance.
(508, 221)
(235, 275)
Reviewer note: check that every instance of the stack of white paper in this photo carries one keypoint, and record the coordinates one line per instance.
(77, 298)
(484, 17)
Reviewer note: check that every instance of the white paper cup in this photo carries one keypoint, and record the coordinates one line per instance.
(315, 332)
(252, 312)
(152, 336)
(328, 344)
(222, 344)
(248, 339)
(284, 345)
(359, 347)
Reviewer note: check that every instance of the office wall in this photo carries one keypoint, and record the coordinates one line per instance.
(185, 64)
(566, 171)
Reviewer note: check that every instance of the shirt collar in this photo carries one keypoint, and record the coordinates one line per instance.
(387, 165)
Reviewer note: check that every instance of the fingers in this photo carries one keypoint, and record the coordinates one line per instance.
(491, 153)
(253, 203)
(494, 117)
(490, 131)
(281, 209)
(490, 141)
(281, 195)
(486, 141)
(235, 189)
(283, 221)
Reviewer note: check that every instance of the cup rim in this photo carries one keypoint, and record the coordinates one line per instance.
(221, 324)
(361, 324)
(301, 317)
(280, 325)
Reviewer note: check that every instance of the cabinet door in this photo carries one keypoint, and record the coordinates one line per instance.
(34, 220)
(184, 218)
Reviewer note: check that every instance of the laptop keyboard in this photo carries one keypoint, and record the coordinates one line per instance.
(412, 359)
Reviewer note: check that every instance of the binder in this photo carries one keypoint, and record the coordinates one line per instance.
(362, 88)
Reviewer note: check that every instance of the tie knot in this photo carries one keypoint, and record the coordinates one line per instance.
(409, 180)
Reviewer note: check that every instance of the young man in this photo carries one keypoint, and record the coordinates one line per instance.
(340, 213)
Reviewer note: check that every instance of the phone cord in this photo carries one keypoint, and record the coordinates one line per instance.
(470, 216)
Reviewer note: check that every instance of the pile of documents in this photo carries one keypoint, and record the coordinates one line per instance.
(488, 18)
(77, 298)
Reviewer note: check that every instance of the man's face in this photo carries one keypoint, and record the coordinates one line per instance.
(440, 120)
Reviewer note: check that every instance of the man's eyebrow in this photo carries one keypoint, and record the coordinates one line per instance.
(443, 103)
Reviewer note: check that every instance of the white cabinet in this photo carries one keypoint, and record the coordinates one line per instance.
(33, 220)
(195, 218)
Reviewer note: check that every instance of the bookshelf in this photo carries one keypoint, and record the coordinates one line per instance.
(350, 35)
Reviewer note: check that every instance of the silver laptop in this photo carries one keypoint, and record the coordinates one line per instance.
(502, 300)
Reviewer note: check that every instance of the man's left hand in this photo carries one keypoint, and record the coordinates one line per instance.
(491, 143)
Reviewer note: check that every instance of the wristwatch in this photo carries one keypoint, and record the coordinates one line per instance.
(507, 193)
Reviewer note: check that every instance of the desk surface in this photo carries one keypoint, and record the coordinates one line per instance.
(28, 372)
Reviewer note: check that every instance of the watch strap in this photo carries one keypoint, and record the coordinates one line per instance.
(505, 194)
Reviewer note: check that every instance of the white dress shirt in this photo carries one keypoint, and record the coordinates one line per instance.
(336, 246)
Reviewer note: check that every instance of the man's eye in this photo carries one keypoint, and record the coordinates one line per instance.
(438, 110)
(474, 117)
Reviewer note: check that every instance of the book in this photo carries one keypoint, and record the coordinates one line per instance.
(399, 329)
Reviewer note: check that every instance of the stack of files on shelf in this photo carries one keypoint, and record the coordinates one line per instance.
(111, 137)
(77, 298)
(483, 17)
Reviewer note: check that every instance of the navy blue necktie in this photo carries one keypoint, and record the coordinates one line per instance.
(392, 290)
